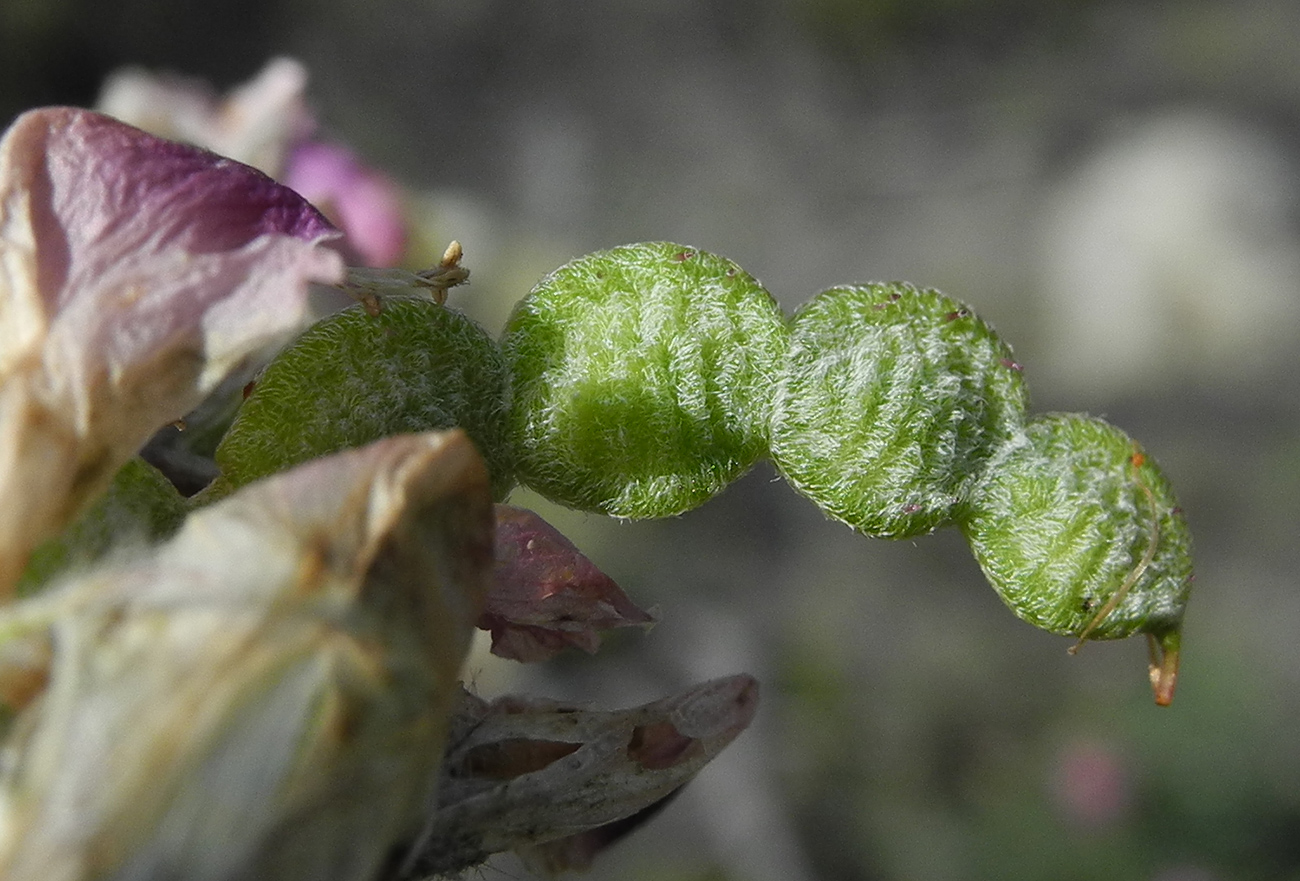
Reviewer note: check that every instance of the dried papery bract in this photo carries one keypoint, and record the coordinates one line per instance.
(135, 275)
(546, 595)
(267, 694)
(535, 776)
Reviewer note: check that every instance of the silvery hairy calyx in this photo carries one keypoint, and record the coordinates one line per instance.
(263, 682)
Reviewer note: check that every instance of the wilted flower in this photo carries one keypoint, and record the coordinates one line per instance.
(135, 275)
(265, 695)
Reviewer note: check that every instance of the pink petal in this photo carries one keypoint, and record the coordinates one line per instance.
(547, 595)
(135, 274)
(364, 203)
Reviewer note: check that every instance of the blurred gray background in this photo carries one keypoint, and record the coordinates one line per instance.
(1111, 183)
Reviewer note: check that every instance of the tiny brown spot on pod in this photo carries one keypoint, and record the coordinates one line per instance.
(959, 313)
(683, 256)
(248, 389)
(1088, 603)
(911, 509)
(1012, 365)
(1138, 460)
(731, 273)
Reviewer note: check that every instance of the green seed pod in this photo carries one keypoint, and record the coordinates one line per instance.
(354, 378)
(642, 378)
(141, 505)
(1079, 533)
(890, 404)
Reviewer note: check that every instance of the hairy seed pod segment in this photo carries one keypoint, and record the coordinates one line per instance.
(1080, 534)
(356, 377)
(890, 404)
(141, 505)
(642, 378)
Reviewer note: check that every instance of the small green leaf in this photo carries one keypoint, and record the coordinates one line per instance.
(890, 404)
(642, 378)
(354, 378)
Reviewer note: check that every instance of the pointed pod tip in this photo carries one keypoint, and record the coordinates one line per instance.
(1164, 654)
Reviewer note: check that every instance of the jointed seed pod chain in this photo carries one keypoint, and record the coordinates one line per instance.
(649, 372)
(641, 380)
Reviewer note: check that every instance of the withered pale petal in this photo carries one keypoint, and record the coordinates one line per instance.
(264, 696)
(256, 123)
(135, 274)
(520, 773)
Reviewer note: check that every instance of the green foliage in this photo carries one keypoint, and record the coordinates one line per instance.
(355, 377)
(890, 404)
(642, 378)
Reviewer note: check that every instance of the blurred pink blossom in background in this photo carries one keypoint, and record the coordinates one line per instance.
(365, 204)
(267, 123)
(1090, 785)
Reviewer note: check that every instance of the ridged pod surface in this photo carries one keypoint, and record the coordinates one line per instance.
(890, 404)
(1072, 514)
(355, 377)
(642, 378)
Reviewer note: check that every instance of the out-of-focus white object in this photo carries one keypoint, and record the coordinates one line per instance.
(1170, 257)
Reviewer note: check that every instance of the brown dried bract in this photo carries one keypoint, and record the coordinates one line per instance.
(557, 783)
(546, 595)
